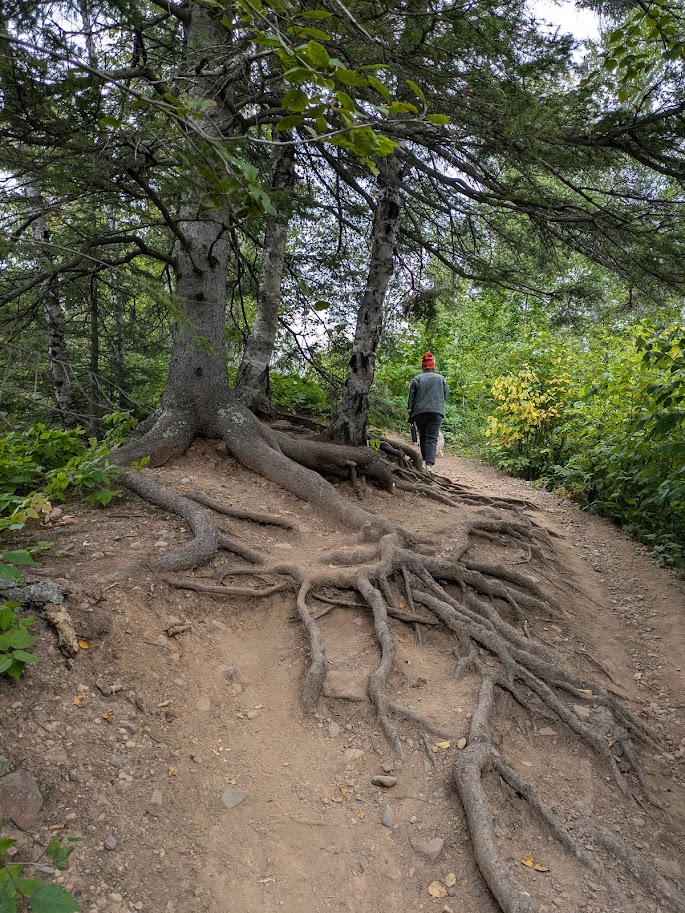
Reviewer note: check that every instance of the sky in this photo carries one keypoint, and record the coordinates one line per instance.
(564, 14)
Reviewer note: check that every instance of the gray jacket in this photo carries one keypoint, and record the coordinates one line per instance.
(427, 393)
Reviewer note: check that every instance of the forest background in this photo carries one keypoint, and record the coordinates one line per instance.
(555, 314)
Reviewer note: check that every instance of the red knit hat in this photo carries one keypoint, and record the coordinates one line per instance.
(428, 361)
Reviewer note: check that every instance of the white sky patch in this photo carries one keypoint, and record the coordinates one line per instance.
(582, 24)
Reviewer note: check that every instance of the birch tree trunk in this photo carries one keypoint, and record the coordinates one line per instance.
(349, 425)
(252, 382)
(58, 354)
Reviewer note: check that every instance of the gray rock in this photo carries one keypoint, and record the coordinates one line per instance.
(583, 713)
(388, 766)
(669, 867)
(20, 798)
(40, 593)
(231, 797)
(353, 754)
(380, 780)
(430, 848)
(229, 674)
(156, 797)
(334, 730)
(203, 703)
(346, 686)
(387, 817)
(111, 842)
(103, 686)
(74, 776)
(116, 761)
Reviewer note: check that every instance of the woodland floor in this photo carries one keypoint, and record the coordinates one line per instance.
(309, 837)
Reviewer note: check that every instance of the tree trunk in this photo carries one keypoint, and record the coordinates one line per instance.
(253, 374)
(58, 354)
(94, 406)
(349, 425)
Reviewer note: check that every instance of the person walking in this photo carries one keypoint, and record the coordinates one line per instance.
(427, 394)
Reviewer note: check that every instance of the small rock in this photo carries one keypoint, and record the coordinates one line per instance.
(461, 743)
(161, 544)
(115, 897)
(386, 782)
(163, 640)
(231, 797)
(74, 776)
(156, 797)
(430, 848)
(388, 766)
(583, 713)
(447, 909)
(546, 730)
(251, 714)
(229, 674)
(116, 761)
(283, 545)
(203, 704)
(111, 842)
(237, 688)
(334, 730)
(135, 546)
(20, 798)
(103, 686)
(98, 555)
(387, 817)
(346, 686)
(669, 867)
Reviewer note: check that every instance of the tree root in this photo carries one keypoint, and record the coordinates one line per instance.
(254, 516)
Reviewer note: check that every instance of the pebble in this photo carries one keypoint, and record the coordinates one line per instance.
(430, 848)
(353, 754)
(116, 761)
(111, 842)
(115, 897)
(380, 780)
(346, 686)
(388, 766)
(387, 817)
(583, 713)
(74, 776)
(334, 730)
(251, 714)
(203, 704)
(229, 674)
(231, 796)
(156, 797)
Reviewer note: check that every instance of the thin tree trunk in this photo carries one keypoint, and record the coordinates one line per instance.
(94, 405)
(253, 374)
(349, 425)
(118, 305)
(58, 354)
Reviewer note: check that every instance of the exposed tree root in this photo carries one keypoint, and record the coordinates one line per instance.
(491, 611)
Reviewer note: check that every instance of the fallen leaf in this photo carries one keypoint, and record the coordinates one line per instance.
(336, 799)
(343, 790)
(489, 662)
(171, 772)
(587, 691)
(541, 868)
(528, 861)
(442, 745)
(527, 763)
(637, 676)
(107, 717)
(164, 704)
(78, 701)
(461, 744)
(437, 889)
(56, 827)
(450, 879)
(84, 644)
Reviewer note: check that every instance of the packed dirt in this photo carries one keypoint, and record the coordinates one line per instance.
(185, 763)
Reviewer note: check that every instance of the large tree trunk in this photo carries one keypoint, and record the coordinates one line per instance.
(58, 354)
(349, 425)
(253, 375)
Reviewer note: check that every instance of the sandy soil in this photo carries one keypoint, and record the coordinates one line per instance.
(215, 708)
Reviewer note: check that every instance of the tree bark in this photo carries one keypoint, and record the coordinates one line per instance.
(253, 374)
(58, 354)
(349, 425)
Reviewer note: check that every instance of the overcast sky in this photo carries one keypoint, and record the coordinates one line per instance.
(581, 23)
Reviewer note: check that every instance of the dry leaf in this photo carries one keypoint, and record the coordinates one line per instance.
(450, 879)
(527, 763)
(343, 790)
(587, 691)
(437, 889)
(489, 662)
(336, 799)
(637, 676)
(164, 704)
(171, 772)
(528, 861)
(107, 717)
(461, 744)
(442, 745)
(541, 868)
(84, 644)
(56, 827)
(78, 701)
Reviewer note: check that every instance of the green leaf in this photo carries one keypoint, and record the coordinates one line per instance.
(58, 854)
(351, 78)
(22, 656)
(292, 120)
(111, 121)
(440, 119)
(9, 573)
(21, 639)
(51, 898)
(295, 100)
(417, 91)
(21, 557)
(376, 84)
(321, 305)
(315, 14)
(5, 844)
(318, 54)
(5, 663)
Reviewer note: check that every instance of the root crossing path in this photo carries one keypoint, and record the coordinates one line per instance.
(479, 708)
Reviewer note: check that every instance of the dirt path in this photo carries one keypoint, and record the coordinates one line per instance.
(196, 721)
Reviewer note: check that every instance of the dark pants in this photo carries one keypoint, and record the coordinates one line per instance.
(428, 424)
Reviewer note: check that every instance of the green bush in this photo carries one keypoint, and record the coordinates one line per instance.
(16, 889)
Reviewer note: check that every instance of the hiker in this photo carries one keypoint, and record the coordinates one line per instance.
(427, 394)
